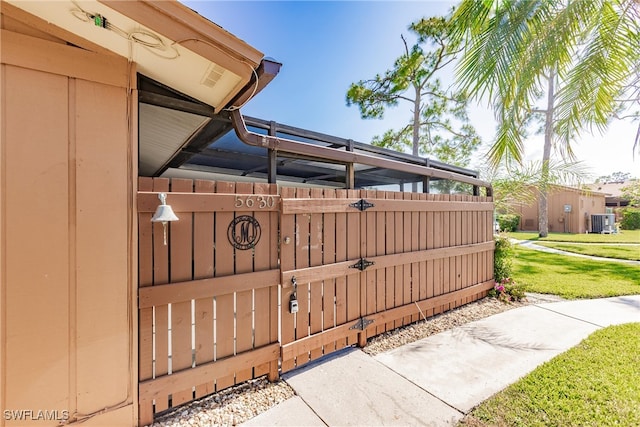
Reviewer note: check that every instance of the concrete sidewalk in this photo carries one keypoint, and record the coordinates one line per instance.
(531, 244)
(437, 380)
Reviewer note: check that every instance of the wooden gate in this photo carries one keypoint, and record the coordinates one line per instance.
(215, 302)
(362, 262)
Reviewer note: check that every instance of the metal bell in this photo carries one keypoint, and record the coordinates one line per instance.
(164, 213)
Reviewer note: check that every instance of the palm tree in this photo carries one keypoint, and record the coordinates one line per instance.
(583, 53)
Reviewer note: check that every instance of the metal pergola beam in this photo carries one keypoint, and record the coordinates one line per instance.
(339, 156)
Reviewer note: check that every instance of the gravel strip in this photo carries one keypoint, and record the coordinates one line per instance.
(238, 404)
(229, 407)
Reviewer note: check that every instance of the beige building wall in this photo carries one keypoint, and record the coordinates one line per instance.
(583, 205)
(66, 236)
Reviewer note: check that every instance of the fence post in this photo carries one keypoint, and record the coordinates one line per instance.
(272, 166)
(350, 179)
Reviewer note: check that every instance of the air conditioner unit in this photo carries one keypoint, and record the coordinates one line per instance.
(603, 223)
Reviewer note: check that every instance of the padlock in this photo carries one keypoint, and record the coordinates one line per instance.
(293, 300)
(293, 305)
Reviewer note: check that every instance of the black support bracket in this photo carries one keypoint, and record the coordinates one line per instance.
(362, 205)
(362, 264)
(361, 324)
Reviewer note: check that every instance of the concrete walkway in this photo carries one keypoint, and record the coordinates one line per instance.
(437, 380)
(531, 244)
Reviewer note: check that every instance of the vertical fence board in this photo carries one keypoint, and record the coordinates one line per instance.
(263, 299)
(288, 250)
(368, 231)
(244, 299)
(362, 278)
(459, 240)
(422, 288)
(274, 260)
(381, 290)
(452, 260)
(145, 316)
(430, 284)
(475, 231)
(487, 230)
(353, 253)
(341, 282)
(161, 277)
(469, 258)
(315, 259)
(407, 242)
(446, 277)
(302, 260)
(390, 279)
(399, 248)
(181, 259)
(415, 267)
(437, 243)
(224, 304)
(329, 257)
(145, 278)
(203, 268)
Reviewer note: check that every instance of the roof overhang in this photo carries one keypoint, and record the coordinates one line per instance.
(167, 41)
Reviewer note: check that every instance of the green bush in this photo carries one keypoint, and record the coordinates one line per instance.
(509, 222)
(507, 291)
(502, 259)
(630, 219)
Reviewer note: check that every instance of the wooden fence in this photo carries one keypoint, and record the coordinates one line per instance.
(208, 312)
(332, 267)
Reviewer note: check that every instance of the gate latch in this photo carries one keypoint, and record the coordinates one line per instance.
(361, 205)
(362, 264)
(361, 324)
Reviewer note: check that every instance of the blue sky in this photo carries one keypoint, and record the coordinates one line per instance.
(325, 46)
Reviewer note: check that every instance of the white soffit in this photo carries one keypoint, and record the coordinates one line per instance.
(162, 133)
(169, 63)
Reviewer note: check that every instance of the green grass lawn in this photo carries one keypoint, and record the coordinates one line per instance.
(625, 236)
(596, 383)
(572, 277)
(630, 252)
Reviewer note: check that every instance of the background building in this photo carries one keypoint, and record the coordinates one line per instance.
(570, 210)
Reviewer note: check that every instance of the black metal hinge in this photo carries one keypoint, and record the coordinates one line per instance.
(362, 205)
(361, 324)
(362, 264)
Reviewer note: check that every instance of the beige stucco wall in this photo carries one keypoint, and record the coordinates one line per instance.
(583, 205)
(66, 241)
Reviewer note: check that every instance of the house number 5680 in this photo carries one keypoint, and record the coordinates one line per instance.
(255, 202)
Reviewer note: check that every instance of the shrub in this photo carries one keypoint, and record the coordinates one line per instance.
(502, 259)
(630, 219)
(508, 222)
(507, 290)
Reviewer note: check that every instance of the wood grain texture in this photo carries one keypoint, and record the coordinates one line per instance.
(430, 253)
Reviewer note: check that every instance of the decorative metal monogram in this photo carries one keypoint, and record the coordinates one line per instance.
(244, 232)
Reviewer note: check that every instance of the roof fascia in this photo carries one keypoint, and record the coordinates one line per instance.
(192, 31)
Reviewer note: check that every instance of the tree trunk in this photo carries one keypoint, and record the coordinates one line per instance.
(543, 209)
(416, 132)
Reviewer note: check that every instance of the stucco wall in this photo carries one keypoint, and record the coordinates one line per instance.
(582, 206)
(66, 220)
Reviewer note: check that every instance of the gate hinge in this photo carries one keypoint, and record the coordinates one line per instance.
(362, 264)
(362, 205)
(361, 324)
